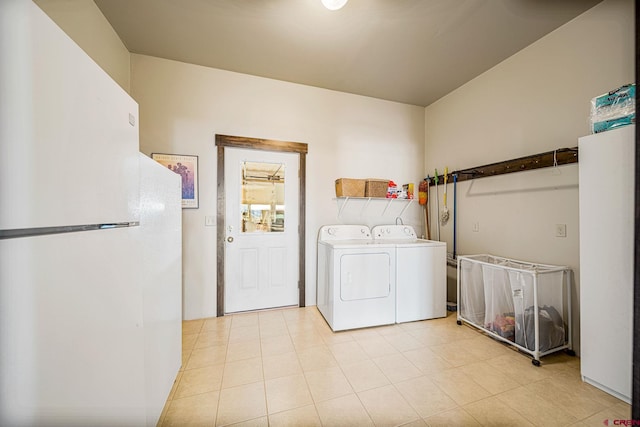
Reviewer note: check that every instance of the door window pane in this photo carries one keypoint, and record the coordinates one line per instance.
(262, 198)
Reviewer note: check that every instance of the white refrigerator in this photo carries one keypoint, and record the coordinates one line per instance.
(90, 240)
(606, 179)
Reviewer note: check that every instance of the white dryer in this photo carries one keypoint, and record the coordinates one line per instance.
(421, 273)
(356, 278)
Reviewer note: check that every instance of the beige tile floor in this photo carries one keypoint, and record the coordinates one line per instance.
(287, 368)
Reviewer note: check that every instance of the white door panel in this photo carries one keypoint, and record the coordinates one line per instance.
(248, 268)
(261, 220)
(277, 267)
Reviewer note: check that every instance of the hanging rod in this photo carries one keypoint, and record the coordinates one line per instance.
(559, 157)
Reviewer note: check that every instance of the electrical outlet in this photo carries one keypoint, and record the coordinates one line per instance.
(561, 230)
(475, 227)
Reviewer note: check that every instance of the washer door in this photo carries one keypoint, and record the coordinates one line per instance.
(365, 276)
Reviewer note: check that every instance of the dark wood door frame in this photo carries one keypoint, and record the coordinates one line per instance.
(635, 385)
(223, 141)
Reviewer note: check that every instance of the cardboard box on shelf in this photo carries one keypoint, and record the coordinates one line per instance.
(376, 187)
(349, 187)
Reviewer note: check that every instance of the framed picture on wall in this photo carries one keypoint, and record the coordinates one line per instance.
(187, 168)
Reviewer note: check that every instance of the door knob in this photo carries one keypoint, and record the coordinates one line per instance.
(230, 239)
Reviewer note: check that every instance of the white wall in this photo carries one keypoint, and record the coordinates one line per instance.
(183, 106)
(87, 26)
(538, 100)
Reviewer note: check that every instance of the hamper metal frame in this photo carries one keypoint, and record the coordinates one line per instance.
(533, 270)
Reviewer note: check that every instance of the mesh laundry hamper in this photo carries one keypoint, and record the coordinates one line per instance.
(524, 304)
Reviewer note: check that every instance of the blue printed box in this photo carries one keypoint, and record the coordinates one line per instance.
(614, 109)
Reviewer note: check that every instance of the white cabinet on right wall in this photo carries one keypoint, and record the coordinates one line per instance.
(606, 172)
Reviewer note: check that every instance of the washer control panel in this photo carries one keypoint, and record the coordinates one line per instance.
(394, 232)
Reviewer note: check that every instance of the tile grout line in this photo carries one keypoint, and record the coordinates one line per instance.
(264, 380)
(226, 354)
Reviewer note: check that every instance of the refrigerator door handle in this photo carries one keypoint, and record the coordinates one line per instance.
(43, 231)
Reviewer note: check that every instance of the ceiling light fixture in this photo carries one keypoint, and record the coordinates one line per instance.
(334, 4)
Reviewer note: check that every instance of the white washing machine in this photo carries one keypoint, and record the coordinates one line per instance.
(421, 273)
(356, 278)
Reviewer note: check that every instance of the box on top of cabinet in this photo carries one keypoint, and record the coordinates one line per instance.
(613, 109)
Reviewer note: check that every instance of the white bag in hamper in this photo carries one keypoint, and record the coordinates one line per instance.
(499, 314)
(471, 304)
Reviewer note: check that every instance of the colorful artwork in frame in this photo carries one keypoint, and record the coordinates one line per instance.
(187, 168)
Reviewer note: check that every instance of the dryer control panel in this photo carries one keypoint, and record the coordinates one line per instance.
(344, 232)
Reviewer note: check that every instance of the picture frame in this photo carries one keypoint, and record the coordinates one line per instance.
(187, 167)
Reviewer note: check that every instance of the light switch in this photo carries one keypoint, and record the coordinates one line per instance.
(209, 220)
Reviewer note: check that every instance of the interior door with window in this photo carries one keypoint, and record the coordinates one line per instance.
(261, 229)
